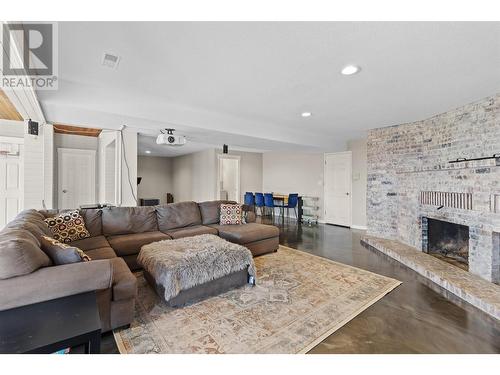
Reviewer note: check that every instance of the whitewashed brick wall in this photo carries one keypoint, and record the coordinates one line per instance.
(406, 159)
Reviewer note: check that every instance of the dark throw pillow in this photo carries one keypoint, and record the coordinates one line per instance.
(60, 253)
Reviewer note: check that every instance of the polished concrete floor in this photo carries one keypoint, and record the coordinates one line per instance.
(417, 317)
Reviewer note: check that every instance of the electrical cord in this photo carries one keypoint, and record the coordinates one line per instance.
(126, 164)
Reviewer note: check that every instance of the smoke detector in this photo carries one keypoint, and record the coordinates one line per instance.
(110, 61)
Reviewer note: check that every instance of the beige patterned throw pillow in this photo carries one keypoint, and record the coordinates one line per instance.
(67, 226)
(230, 214)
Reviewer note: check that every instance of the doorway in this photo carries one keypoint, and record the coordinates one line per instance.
(338, 188)
(228, 181)
(11, 178)
(76, 177)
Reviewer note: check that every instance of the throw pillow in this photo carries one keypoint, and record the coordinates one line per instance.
(60, 253)
(230, 214)
(67, 226)
(20, 253)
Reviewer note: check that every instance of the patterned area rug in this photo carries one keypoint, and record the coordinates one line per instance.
(299, 300)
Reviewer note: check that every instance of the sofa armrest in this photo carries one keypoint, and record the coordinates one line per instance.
(124, 281)
(250, 214)
(55, 282)
(250, 218)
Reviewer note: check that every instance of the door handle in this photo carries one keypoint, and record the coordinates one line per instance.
(64, 191)
(346, 193)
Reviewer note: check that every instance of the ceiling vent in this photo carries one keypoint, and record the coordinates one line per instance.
(111, 61)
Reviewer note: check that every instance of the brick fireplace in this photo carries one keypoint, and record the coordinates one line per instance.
(411, 182)
(446, 241)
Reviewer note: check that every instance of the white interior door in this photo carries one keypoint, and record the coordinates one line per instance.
(11, 180)
(338, 187)
(229, 177)
(76, 177)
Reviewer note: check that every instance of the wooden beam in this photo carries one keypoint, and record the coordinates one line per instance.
(7, 109)
(76, 130)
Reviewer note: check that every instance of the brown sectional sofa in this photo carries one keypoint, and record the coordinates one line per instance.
(117, 235)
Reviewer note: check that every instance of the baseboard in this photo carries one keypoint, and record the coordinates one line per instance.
(360, 227)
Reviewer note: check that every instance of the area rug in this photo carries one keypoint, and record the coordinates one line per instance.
(299, 300)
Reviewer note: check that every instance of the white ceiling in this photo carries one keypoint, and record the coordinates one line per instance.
(246, 84)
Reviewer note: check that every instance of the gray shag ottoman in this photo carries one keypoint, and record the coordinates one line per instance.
(192, 268)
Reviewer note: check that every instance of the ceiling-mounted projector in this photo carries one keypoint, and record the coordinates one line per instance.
(170, 139)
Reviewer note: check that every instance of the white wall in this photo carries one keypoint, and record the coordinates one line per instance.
(126, 178)
(250, 171)
(105, 138)
(156, 173)
(50, 186)
(194, 176)
(38, 162)
(35, 184)
(75, 141)
(129, 190)
(11, 128)
(359, 181)
(287, 172)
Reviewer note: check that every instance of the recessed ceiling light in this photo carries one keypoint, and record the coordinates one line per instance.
(306, 114)
(147, 152)
(350, 70)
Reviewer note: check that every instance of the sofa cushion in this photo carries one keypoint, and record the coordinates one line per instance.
(245, 233)
(194, 230)
(127, 220)
(30, 214)
(91, 243)
(61, 253)
(68, 226)
(20, 253)
(33, 217)
(128, 244)
(93, 220)
(101, 253)
(48, 213)
(124, 281)
(178, 215)
(210, 211)
(36, 227)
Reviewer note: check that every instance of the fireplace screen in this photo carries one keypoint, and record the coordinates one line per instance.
(448, 242)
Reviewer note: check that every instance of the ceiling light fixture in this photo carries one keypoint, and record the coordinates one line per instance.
(147, 152)
(350, 70)
(306, 114)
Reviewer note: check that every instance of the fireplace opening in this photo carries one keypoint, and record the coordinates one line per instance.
(447, 241)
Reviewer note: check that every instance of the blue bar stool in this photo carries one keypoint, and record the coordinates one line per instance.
(259, 202)
(269, 202)
(293, 200)
(249, 200)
